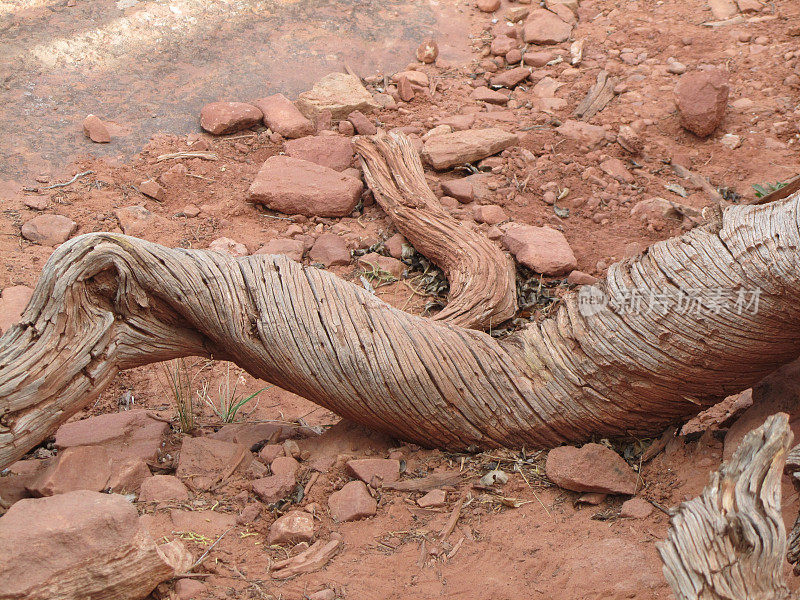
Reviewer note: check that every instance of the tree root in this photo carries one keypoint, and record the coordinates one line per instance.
(730, 542)
(108, 302)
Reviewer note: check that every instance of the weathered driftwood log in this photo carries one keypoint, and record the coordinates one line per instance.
(482, 277)
(108, 302)
(793, 469)
(730, 542)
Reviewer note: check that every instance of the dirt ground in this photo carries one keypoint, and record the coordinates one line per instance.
(148, 67)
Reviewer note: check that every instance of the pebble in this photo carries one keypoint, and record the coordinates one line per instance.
(220, 118)
(702, 97)
(283, 117)
(330, 249)
(352, 502)
(591, 468)
(151, 188)
(49, 230)
(544, 27)
(96, 130)
(542, 249)
(488, 5)
(295, 186)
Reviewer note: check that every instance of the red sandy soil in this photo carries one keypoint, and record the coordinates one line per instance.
(547, 547)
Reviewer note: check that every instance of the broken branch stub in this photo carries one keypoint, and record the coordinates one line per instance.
(729, 543)
(107, 302)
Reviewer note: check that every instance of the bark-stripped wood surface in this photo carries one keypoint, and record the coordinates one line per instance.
(482, 277)
(107, 302)
(793, 542)
(730, 542)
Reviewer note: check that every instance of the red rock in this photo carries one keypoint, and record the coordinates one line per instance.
(583, 133)
(13, 302)
(702, 97)
(270, 452)
(488, 5)
(384, 263)
(330, 249)
(352, 502)
(80, 468)
(458, 122)
(163, 488)
(381, 470)
(542, 249)
(339, 93)
(617, 169)
(591, 468)
(466, 189)
(636, 508)
(538, 59)
(273, 488)
(491, 214)
(20, 476)
(49, 230)
(749, 6)
(361, 123)
(460, 147)
(545, 27)
(723, 9)
(511, 77)
(152, 189)
(285, 465)
(295, 186)
(78, 545)
(333, 151)
(189, 589)
(36, 202)
(96, 130)
(221, 118)
(293, 527)
(778, 392)
(433, 499)
(134, 220)
(249, 514)
(416, 78)
(564, 13)
(502, 45)
(293, 249)
(404, 89)
(546, 87)
(283, 117)
(394, 245)
(123, 434)
(484, 94)
(228, 246)
(128, 475)
(327, 594)
(203, 460)
(591, 498)
(581, 278)
(514, 56)
(428, 52)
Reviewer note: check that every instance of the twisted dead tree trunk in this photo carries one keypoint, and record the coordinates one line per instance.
(730, 542)
(482, 277)
(108, 302)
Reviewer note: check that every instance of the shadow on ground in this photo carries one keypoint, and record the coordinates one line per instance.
(150, 66)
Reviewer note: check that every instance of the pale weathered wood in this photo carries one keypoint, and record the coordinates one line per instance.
(107, 302)
(598, 96)
(482, 277)
(729, 543)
